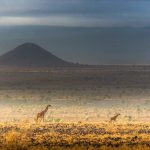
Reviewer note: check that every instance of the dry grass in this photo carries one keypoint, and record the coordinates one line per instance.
(74, 136)
(83, 101)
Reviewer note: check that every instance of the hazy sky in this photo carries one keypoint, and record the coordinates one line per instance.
(75, 12)
(85, 31)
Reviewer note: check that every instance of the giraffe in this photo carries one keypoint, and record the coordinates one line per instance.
(114, 117)
(41, 114)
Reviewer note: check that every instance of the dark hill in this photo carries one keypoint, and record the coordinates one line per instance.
(31, 55)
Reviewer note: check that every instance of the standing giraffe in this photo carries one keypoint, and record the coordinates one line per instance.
(114, 117)
(41, 114)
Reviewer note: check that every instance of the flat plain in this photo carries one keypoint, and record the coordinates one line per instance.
(83, 100)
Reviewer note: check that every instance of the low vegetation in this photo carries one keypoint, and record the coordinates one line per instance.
(83, 103)
(74, 136)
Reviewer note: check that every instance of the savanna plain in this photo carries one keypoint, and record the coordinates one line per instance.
(83, 101)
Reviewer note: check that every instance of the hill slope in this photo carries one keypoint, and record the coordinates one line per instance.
(31, 55)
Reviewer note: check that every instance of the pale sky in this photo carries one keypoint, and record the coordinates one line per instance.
(75, 12)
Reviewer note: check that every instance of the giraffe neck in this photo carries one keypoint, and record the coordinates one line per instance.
(46, 109)
(117, 115)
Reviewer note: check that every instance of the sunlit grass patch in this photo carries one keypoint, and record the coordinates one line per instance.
(47, 135)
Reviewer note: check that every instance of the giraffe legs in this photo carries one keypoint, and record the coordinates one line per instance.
(40, 119)
(43, 119)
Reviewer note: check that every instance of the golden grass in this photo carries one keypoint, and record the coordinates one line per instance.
(74, 136)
